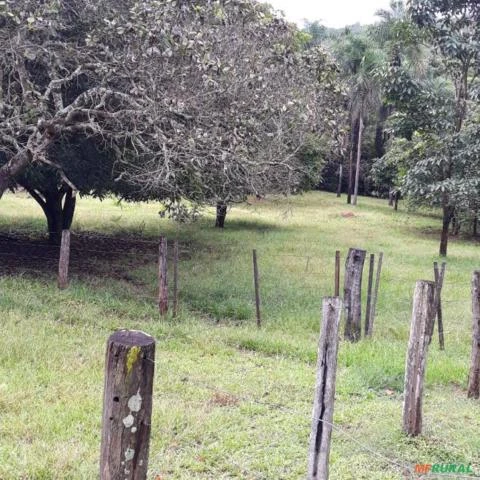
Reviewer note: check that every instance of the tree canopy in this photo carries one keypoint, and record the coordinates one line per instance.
(205, 100)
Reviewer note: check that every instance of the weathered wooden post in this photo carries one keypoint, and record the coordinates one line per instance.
(368, 311)
(353, 294)
(337, 273)
(256, 282)
(127, 405)
(439, 278)
(423, 315)
(375, 292)
(64, 260)
(319, 450)
(162, 277)
(474, 375)
(175, 278)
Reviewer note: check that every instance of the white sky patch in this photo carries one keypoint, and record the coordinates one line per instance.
(332, 13)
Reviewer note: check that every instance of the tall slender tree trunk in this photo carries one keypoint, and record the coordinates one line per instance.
(221, 214)
(340, 175)
(359, 157)
(383, 113)
(447, 218)
(353, 143)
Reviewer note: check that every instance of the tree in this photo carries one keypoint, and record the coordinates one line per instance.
(208, 101)
(360, 59)
(453, 27)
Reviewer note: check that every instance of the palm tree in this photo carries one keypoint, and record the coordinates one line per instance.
(360, 59)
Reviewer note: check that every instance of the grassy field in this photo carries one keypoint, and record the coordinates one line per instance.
(230, 402)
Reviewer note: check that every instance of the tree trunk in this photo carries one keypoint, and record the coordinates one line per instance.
(340, 175)
(221, 214)
(391, 196)
(383, 114)
(359, 157)
(68, 208)
(353, 143)
(58, 207)
(475, 224)
(447, 218)
(54, 213)
(397, 198)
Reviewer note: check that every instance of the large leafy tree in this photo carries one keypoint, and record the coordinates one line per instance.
(205, 100)
(453, 27)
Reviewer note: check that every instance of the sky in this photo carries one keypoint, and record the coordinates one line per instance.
(332, 13)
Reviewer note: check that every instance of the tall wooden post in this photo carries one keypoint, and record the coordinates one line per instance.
(474, 375)
(319, 450)
(127, 406)
(353, 294)
(175, 278)
(375, 292)
(368, 311)
(415, 364)
(337, 273)
(256, 282)
(64, 260)
(162, 277)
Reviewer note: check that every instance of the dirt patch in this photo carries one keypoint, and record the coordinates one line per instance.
(90, 255)
(347, 214)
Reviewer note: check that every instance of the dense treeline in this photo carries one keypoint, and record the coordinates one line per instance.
(413, 89)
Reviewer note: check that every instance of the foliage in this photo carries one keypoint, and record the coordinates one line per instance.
(201, 100)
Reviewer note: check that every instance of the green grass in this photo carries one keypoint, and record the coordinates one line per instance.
(231, 401)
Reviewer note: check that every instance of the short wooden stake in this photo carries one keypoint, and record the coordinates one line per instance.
(162, 277)
(337, 273)
(319, 450)
(375, 292)
(423, 315)
(257, 289)
(64, 261)
(439, 278)
(368, 312)
(474, 375)
(353, 294)
(175, 278)
(127, 406)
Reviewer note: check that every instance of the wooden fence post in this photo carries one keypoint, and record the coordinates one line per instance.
(64, 260)
(474, 375)
(375, 292)
(368, 311)
(162, 277)
(127, 406)
(337, 273)
(439, 277)
(257, 289)
(319, 449)
(423, 315)
(353, 294)
(175, 278)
